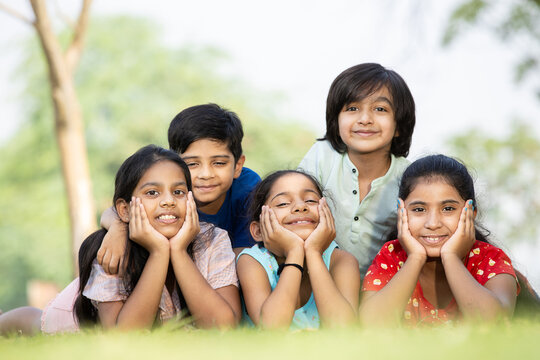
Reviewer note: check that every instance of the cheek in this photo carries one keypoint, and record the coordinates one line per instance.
(416, 223)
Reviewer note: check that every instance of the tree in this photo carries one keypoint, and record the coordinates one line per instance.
(509, 179)
(515, 21)
(130, 86)
(68, 119)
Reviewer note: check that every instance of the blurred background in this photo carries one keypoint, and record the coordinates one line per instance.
(472, 66)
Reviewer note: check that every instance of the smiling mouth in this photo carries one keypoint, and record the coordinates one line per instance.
(301, 222)
(434, 239)
(206, 187)
(167, 219)
(364, 133)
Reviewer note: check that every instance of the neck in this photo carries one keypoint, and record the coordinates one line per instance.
(371, 166)
(433, 270)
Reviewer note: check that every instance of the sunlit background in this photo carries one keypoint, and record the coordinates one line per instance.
(272, 62)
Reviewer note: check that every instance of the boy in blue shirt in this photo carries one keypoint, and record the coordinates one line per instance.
(209, 140)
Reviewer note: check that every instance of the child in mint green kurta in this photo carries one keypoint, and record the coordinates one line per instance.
(370, 117)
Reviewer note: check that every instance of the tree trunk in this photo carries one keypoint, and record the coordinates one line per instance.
(68, 124)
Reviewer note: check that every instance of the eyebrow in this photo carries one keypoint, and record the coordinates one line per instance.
(212, 157)
(287, 193)
(157, 184)
(447, 201)
(384, 99)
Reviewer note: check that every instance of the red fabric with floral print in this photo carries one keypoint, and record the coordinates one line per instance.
(484, 262)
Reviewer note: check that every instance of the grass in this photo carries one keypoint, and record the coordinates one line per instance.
(516, 340)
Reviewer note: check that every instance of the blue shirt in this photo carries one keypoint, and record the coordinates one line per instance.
(232, 215)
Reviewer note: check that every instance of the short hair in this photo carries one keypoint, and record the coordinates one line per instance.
(208, 121)
(360, 81)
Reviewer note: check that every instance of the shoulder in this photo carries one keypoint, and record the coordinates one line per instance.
(320, 158)
(398, 165)
(247, 177)
(342, 258)
(212, 237)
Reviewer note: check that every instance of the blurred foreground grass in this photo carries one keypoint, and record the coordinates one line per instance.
(517, 340)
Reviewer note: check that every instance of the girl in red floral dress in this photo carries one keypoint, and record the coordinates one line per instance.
(441, 268)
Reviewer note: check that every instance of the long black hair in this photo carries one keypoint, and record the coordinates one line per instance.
(135, 256)
(456, 174)
(452, 171)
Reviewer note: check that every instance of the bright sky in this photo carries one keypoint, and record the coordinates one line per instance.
(298, 47)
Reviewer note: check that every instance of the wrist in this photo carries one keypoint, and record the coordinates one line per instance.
(313, 252)
(417, 258)
(295, 255)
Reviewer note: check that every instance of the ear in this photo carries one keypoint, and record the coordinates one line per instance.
(239, 165)
(122, 209)
(255, 230)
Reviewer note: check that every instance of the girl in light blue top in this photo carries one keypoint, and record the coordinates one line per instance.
(296, 277)
(370, 117)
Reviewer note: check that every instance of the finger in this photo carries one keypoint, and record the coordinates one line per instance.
(113, 265)
(264, 223)
(121, 266)
(273, 220)
(142, 211)
(99, 255)
(105, 262)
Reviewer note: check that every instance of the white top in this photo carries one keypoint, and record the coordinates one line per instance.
(362, 228)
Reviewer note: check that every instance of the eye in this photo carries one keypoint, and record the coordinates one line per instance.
(449, 208)
(418, 209)
(312, 201)
(351, 108)
(151, 193)
(282, 204)
(191, 164)
(380, 108)
(179, 192)
(220, 163)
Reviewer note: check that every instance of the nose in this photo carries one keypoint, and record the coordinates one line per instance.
(364, 117)
(300, 206)
(433, 220)
(205, 172)
(167, 200)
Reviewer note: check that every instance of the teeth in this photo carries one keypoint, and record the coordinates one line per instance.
(167, 217)
(301, 222)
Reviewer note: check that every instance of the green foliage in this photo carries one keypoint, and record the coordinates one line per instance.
(509, 20)
(130, 87)
(517, 340)
(508, 167)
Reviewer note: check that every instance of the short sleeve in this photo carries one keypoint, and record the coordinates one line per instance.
(383, 268)
(248, 179)
(102, 287)
(485, 261)
(217, 261)
(310, 162)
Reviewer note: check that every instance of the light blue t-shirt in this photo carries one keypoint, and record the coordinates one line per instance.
(306, 317)
(362, 228)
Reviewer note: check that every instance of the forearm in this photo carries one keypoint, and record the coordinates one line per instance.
(278, 309)
(139, 310)
(386, 306)
(333, 307)
(473, 299)
(205, 304)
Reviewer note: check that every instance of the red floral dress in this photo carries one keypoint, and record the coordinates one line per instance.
(484, 262)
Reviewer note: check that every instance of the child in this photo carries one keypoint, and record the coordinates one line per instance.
(442, 268)
(370, 117)
(296, 275)
(209, 140)
(172, 261)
